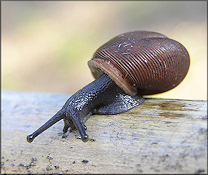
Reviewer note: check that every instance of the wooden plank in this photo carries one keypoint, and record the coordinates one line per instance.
(159, 136)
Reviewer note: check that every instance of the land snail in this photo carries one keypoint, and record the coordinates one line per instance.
(125, 68)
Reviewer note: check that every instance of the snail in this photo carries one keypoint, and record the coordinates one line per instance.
(125, 68)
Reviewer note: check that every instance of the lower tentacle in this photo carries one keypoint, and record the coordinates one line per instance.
(79, 126)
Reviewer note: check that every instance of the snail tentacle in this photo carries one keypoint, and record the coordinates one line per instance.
(57, 117)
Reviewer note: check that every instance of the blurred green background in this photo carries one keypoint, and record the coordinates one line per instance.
(46, 45)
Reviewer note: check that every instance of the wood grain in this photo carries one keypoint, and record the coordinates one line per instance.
(159, 136)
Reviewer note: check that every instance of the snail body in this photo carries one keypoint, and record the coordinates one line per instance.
(126, 67)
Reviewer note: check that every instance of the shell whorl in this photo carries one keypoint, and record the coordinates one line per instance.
(142, 62)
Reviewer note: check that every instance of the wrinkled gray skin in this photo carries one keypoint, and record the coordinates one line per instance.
(102, 96)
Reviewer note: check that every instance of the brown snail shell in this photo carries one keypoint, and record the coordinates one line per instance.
(142, 62)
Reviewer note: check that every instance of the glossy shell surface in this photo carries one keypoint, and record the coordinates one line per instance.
(142, 62)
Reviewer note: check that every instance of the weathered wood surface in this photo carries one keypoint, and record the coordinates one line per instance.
(160, 136)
